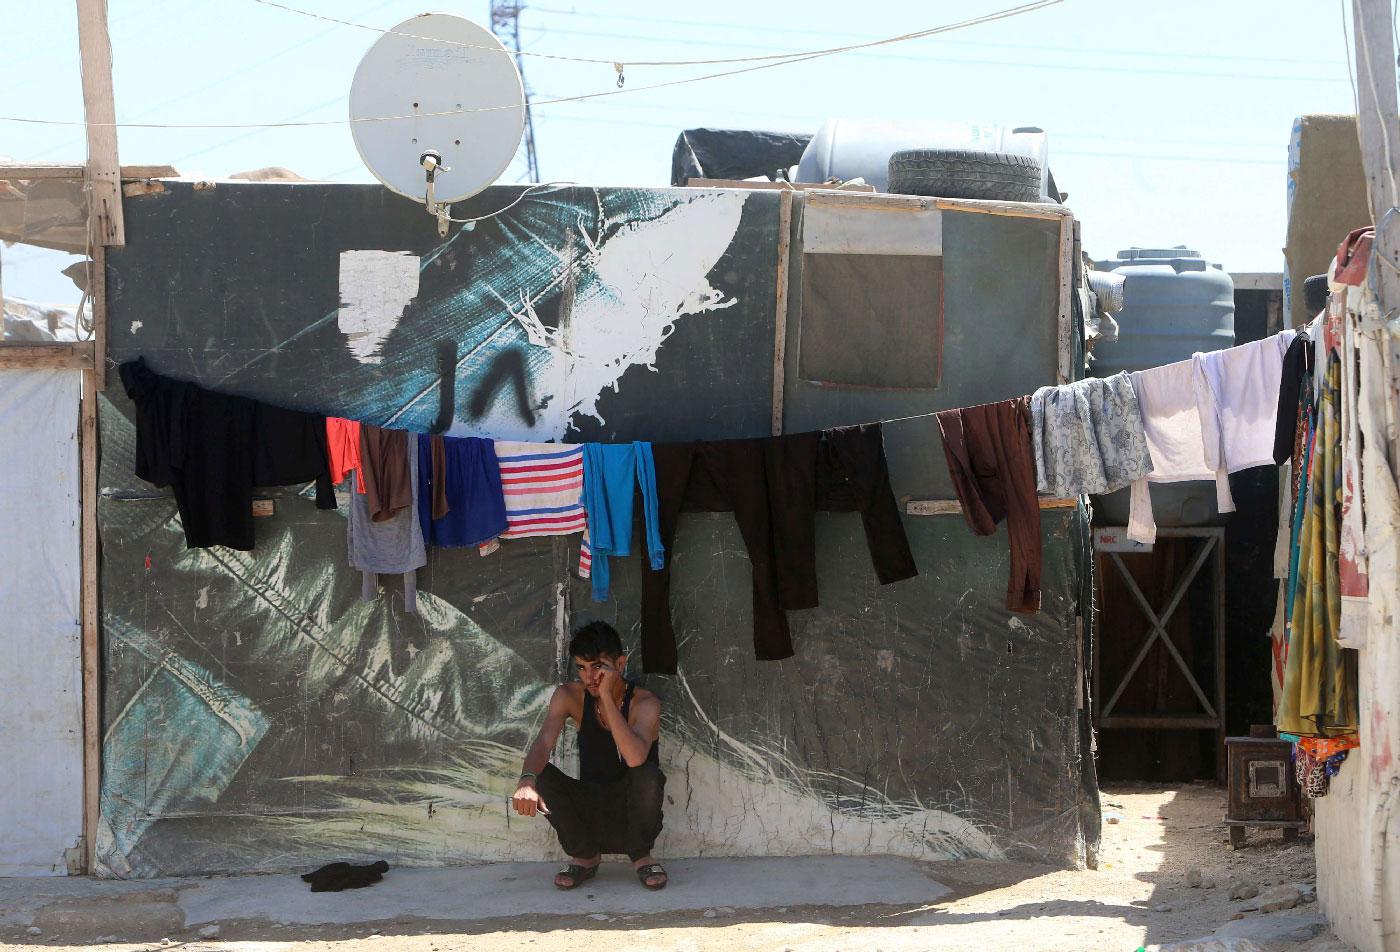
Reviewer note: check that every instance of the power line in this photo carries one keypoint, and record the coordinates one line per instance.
(789, 30)
(1015, 64)
(962, 24)
(188, 93)
(620, 62)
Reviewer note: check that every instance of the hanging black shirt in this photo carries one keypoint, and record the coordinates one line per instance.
(212, 449)
(1297, 363)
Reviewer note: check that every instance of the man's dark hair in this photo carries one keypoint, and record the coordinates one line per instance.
(595, 640)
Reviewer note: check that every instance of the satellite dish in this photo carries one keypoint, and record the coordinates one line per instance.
(434, 70)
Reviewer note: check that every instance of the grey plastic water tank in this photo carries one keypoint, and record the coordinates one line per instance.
(1175, 303)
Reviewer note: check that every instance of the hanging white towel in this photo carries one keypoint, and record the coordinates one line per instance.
(1237, 401)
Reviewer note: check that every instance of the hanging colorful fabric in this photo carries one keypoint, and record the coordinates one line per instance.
(1320, 678)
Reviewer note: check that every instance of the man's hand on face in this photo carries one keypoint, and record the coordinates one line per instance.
(527, 799)
(609, 682)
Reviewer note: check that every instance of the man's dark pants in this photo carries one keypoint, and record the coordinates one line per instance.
(623, 816)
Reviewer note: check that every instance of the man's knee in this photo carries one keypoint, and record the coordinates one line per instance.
(646, 783)
(552, 780)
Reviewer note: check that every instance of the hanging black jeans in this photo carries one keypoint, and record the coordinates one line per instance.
(622, 816)
(774, 486)
(761, 481)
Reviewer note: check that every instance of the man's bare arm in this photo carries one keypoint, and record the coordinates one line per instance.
(537, 757)
(634, 740)
(526, 800)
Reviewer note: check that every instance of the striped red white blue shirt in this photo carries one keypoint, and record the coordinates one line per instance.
(543, 488)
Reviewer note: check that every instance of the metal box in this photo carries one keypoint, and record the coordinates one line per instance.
(1263, 789)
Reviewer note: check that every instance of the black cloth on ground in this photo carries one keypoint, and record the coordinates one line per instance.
(213, 448)
(333, 877)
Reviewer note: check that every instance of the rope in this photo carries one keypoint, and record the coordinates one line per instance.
(518, 199)
(790, 58)
(619, 64)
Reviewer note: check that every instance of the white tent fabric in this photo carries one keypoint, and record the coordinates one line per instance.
(41, 698)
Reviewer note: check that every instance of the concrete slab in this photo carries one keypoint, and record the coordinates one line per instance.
(514, 889)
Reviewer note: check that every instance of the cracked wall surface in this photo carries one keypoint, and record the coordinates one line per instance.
(258, 715)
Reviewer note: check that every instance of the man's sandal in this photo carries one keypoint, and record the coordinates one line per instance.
(650, 870)
(577, 875)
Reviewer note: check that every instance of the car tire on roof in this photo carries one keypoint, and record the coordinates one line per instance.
(963, 173)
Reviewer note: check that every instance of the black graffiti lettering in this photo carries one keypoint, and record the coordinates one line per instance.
(508, 367)
(447, 386)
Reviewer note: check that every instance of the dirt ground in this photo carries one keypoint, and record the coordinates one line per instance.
(1155, 845)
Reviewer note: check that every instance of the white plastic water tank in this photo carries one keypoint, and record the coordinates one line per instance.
(861, 148)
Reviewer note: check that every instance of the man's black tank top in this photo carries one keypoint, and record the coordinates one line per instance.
(598, 757)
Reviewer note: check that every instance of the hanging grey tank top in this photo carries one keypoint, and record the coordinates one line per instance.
(392, 547)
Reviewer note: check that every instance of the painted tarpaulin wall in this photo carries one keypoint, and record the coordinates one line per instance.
(992, 698)
(260, 716)
(41, 700)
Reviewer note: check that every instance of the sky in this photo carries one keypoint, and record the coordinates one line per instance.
(1168, 122)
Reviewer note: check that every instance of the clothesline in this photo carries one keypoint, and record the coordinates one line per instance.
(409, 489)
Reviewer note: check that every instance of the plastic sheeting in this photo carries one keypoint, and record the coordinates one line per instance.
(259, 716)
(41, 699)
(734, 153)
(48, 213)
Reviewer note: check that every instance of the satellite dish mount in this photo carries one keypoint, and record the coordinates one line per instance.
(431, 161)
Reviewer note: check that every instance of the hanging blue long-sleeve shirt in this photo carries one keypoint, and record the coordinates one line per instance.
(610, 473)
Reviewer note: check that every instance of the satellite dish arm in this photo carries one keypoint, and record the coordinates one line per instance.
(431, 160)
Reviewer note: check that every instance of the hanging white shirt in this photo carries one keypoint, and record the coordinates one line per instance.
(1237, 400)
(1167, 401)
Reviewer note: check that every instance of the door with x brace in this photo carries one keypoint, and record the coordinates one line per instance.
(1208, 555)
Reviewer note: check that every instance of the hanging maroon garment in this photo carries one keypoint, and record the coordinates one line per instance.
(384, 469)
(991, 460)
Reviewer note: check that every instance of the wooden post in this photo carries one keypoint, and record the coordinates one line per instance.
(91, 660)
(100, 111)
(1378, 126)
(781, 308)
(1064, 340)
(97, 300)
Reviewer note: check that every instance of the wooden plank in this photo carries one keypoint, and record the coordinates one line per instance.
(1064, 341)
(1009, 209)
(870, 229)
(1160, 722)
(1377, 124)
(100, 112)
(35, 356)
(130, 173)
(770, 186)
(915, 203)
(843, 199)
(91, 662)
(943, 507)
(1273, 311)
(97, 300)
(1257, 280)
(780, 315)
(1218, 591)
